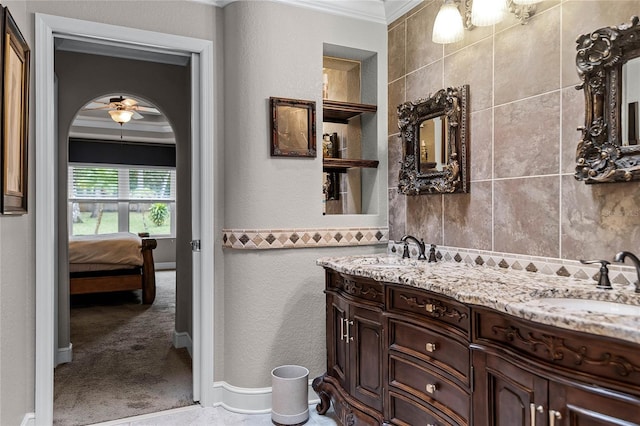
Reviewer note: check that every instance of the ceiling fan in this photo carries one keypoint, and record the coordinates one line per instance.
(122, 109)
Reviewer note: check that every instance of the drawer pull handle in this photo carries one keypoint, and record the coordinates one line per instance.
(553, 416)
(430, 307)
(342, 320)
(539, 409)
(431, 347)
(431, 388)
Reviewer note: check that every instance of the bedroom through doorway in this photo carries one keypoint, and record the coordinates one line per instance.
(122, 353)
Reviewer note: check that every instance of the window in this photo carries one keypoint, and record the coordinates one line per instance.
(119, 199)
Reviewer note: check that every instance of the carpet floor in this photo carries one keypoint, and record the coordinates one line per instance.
(124, 363)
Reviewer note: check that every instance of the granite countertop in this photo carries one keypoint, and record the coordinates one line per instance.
(517, 293)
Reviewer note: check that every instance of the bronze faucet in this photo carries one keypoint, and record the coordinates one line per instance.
(421, 247)
(620, 258)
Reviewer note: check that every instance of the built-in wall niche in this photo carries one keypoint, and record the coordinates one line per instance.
(349, 142)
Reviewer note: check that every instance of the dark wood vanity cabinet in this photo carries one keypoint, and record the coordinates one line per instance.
(531, 374)
(399, 355)
(354, 378)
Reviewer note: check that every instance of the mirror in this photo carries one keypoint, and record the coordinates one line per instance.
(435, 146)
(608, 62)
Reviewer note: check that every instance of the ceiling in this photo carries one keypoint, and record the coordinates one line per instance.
(155, 128)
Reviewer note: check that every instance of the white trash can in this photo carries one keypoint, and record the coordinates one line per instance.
(289, 397)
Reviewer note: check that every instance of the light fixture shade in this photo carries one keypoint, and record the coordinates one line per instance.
(526, 2)
(121, 116)
(448, 27)
(488, 12)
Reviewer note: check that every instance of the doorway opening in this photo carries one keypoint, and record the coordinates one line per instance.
(51, 30)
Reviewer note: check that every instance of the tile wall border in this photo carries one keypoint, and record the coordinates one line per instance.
(266, 239)
(618, 274)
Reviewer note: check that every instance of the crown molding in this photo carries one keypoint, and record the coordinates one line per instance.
(379, 11)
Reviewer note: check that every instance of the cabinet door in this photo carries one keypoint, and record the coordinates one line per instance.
(337, 347)
(366, 356)
(506, 395)
(579, 407)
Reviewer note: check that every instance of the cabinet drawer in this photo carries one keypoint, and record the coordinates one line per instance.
(365, 289)
(605, 360)
(431, 387)
(426, 305)
(407, 412)
(432, 347)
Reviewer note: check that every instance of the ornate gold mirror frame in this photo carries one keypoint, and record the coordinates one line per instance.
(601, 156)
(451, 105)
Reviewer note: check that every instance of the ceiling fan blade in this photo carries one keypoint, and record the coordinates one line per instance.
(129, 102)
(148, 110)
(136, 115)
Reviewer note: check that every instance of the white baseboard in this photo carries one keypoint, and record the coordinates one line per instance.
(29, 419)
(248, 400)
(164, 266)
(182, 340)
(64, 355)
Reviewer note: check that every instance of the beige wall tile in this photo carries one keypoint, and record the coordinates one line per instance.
(395, 157)
(425, 81)
(527, 58)
(396, 97)
(470, 37)
(396, 45)
(538, 8)
(572, 118)
(527, 136)
(480, 145)
(526, 217)
(424, 217)
(599, 220)
(583, 17)
(472, 66)
(421, 50)
(397, 214)
(468, 218)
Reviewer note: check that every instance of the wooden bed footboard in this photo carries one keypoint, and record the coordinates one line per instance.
(141, 278)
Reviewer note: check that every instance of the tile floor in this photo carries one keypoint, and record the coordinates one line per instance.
(198, 416)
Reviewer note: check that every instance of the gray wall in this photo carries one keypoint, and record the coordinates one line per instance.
(17, 289)
(274, 306)
(83, 77)
(524, 114)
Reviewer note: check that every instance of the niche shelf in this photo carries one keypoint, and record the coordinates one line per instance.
(342, 112)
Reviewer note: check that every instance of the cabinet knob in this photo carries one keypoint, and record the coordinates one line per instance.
(431, 388)
(431, 347)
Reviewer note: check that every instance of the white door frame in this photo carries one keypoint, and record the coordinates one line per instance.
(49, 27)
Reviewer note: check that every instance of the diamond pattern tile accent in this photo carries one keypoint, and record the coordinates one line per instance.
(531, 268)
(479, 261)
(503, 264)
(563, 272)
(280, 238)
(581, 275)
(457, 258)
(491, 262)
(620, 279)
(516, 266)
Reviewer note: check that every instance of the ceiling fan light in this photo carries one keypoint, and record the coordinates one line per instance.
(448, 27)
(121, 116)
(488, 12)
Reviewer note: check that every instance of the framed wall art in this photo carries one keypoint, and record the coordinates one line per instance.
(293, 128)
(15, 54)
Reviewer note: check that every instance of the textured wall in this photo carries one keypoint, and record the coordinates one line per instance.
(524, 114)
(17, 289)
(274, 305)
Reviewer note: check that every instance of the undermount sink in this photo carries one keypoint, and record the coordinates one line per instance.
(587, 305)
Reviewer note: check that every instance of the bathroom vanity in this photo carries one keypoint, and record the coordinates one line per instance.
(412, 343)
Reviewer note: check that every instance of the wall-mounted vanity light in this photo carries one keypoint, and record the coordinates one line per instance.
(450, 24)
